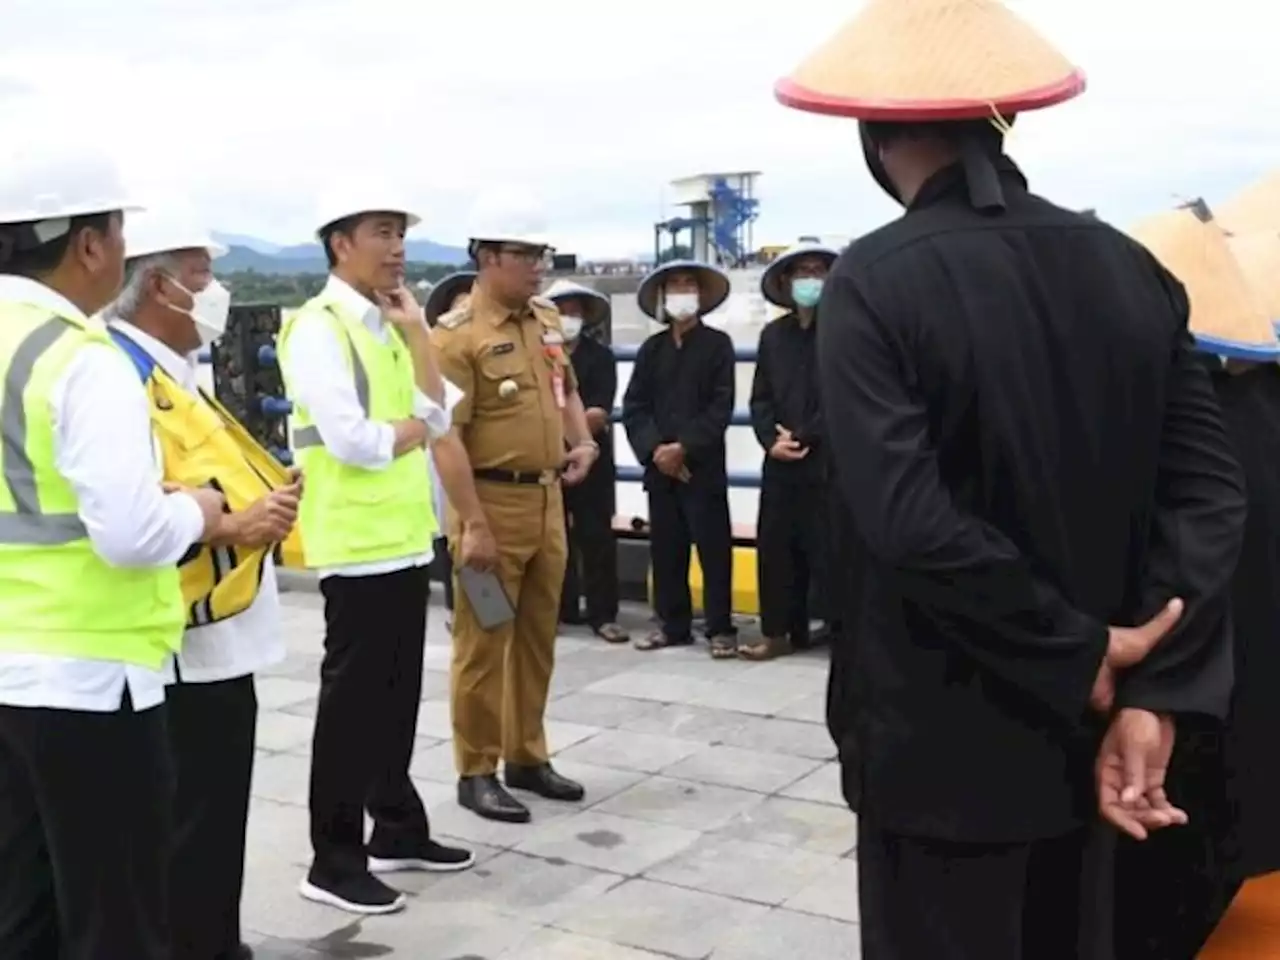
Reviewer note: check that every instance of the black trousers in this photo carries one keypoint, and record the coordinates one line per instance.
(86, 803)
(937, 900)
(212, 730)
(681, 516)
(593, 553)
(366, 720)
(793, 537)
(1172, 889)
(442, 562)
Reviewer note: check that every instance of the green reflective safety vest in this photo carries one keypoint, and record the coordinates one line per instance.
(57, 596)
(350, 514)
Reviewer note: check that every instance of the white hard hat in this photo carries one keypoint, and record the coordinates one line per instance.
(166, 227)
(356, 195)
(508, 215)
(46, 185)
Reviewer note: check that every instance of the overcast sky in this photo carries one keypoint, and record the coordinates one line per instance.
(252, 106)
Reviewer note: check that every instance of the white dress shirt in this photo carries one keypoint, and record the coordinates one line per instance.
(240, 645)
(437, 493)
(320, 380)
(102, 445)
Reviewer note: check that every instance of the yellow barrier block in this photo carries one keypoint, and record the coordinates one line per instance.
(744, 596)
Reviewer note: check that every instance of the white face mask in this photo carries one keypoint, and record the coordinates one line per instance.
(572, 327)
(680, 306)
(209, 309)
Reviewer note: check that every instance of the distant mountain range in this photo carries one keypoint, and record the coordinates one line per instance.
(250, 253)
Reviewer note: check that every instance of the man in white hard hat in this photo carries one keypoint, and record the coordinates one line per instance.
(90, 604)
(170, 306)
(505, 348)
(592, 571)
(368, 400)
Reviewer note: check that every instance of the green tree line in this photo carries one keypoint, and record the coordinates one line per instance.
(293, 289)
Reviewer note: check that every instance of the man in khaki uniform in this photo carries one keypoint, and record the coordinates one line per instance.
(505, 349)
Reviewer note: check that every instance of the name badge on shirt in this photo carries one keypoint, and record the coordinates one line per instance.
(498, 349)
(552, 337)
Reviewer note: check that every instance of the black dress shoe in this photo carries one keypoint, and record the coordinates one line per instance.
(543, 781)
(486, 797)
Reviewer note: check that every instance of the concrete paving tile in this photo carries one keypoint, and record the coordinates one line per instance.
(665, 919)
(450, 818)
(550, 944)
(647, 753)
(646, 685)
(781, 933)
(810, 709)
(434, 720)
(821, 786)
(515, 884)
(562, 734)
(701, 724)
(434, 762)
(283, 777)
(816, 827)
(681, 803)
(834, 894)
(277, 832)
(745, 769)
(279, 732)
(754, 698)
(789, 737)
(759, 872)
(619, 845)
(599, 710)
(277, 692)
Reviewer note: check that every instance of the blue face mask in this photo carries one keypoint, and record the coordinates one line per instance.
(805, 291)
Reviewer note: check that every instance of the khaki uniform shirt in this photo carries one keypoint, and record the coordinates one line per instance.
(507, 364)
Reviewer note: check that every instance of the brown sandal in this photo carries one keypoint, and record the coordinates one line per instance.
(612, 633)
(723, 648)
(657, 640)
(767, 648)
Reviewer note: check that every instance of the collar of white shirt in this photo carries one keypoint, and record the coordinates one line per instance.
(181, 369)
(352, 299)
(24, 290)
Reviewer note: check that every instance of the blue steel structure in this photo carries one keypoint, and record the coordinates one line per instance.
(731, 213)
(282, 407)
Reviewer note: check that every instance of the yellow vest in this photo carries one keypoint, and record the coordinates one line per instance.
(203, 445)
(57, 596)
(351, 515)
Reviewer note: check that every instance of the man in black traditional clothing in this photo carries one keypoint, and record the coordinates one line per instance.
(1030, 451)
(793, 530)
(676, 411)
(1171, 892)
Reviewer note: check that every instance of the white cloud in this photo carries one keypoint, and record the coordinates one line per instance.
(254, 105)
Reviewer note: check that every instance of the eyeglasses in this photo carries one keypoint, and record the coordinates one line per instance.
(529, 256)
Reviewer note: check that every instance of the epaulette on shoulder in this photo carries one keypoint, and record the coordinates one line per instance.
(455, 318)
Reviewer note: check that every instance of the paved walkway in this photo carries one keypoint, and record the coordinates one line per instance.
(712, 829)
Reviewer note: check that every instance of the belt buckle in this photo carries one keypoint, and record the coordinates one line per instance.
(547, 478)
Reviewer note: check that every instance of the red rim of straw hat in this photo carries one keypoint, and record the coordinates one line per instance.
(792, 94)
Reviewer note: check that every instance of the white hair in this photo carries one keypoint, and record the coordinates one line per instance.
(125, 305)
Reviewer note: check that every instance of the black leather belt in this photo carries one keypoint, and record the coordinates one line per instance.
(539, 477)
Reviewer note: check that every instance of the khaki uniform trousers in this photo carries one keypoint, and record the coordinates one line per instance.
(500, 678)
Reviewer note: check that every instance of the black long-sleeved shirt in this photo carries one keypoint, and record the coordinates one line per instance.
(1029, 451)
(682, 393)
(597, 371)
(784, 392)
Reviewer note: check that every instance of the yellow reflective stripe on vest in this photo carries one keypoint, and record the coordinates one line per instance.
(309, 436)
(27, 523)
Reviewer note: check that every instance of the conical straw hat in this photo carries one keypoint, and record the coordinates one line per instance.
(1227, 317)
(1259, 257)
(920, 60)
(1254, 209)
